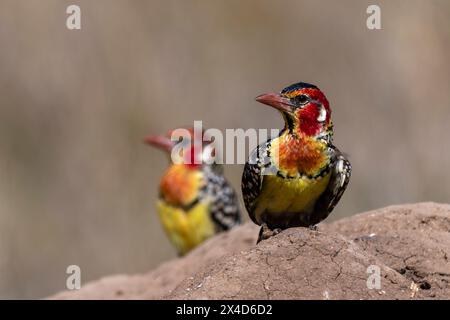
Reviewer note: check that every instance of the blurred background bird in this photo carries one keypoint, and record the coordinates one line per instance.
(297, 178)
(195, 199)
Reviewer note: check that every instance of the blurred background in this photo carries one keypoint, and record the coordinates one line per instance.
(78, 186)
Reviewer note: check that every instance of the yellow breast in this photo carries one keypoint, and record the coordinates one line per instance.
(280, 195)
(186, 229)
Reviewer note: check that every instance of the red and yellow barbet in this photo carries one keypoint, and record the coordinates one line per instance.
(195, 199)
(297, 178)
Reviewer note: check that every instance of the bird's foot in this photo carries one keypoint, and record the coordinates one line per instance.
(265, 233)
(315, 229)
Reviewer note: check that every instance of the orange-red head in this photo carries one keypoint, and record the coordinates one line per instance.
(190, 146)
(304, 107)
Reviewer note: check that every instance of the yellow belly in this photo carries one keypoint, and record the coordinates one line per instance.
(279, 195)
(186, 229)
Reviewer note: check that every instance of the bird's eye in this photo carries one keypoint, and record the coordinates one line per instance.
(301, 99)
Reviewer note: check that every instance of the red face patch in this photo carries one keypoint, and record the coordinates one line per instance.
(192, 152)
(315, 115)
(193, 157)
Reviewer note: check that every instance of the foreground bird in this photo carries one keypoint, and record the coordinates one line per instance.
(195, 200)
(297, 178)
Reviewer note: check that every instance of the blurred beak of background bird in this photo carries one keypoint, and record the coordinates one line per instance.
(161, 142)
(276, 101)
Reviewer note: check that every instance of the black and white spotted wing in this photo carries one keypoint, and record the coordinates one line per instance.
(252, 176)
(340, 176)
(224, 208)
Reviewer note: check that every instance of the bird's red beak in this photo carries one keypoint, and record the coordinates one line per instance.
(276, 101)
(160, 142)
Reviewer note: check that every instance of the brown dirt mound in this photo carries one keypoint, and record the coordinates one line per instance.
(409, 243)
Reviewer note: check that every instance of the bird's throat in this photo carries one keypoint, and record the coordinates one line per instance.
(180, 184)
(299, 154)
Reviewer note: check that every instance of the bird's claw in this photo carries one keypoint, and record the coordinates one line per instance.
(265, 232)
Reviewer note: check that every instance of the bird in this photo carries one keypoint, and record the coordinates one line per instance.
(296, 178)
(195, 200)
